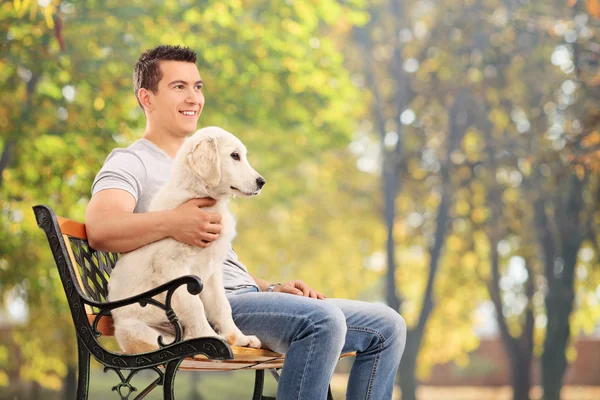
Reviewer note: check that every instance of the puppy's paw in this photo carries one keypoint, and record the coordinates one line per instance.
(242, 340)
(253, 342)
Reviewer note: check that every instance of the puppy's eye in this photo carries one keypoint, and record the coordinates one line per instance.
(235, 156)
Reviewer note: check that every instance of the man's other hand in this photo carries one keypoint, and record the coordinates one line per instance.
(299, 288)
(192, 225)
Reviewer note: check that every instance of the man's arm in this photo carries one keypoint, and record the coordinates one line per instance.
(296, 287)
(262, 284)
(112, 225)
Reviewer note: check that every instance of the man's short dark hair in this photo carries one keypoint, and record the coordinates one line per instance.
(146, 73)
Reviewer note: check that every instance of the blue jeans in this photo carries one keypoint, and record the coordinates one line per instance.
(313, 333)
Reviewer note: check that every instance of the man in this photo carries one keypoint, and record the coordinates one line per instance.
(290, 318)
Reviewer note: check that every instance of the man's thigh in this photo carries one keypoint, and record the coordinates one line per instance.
(278, 318)
(368, 322)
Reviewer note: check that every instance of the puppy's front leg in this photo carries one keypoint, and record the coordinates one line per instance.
(218, 312)
(190, 311)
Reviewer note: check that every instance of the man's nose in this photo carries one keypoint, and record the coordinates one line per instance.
(195, 98)
(260, 182)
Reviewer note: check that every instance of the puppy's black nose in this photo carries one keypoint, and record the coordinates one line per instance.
(260, 182)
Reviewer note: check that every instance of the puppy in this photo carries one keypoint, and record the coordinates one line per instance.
(211, 163)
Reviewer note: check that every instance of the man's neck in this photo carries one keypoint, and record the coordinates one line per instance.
(165, 141)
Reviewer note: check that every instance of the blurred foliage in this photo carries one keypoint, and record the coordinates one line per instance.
(273, 77)
(288, 78)
(527, 76)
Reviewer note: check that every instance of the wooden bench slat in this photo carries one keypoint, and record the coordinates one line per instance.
(202, 364)
(244, 357)
(195, 365)
(72, 228)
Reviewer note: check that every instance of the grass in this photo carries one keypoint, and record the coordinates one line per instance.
(239, 385)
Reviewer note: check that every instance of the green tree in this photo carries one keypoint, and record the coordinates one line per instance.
(565, 218)
(418, 61)
(273, 76)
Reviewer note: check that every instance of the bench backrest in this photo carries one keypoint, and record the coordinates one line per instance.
(84, 273)
(91, 268)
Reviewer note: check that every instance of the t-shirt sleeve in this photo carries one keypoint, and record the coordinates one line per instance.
(123, 170)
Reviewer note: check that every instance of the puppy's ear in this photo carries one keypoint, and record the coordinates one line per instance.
(204, 161)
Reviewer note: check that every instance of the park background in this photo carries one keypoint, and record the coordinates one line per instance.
(439, 157)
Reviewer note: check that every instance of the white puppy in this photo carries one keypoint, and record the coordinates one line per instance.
(211, 163)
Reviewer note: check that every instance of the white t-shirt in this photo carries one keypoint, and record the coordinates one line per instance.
(142, 169)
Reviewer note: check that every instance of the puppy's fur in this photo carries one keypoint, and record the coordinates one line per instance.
(205, 166)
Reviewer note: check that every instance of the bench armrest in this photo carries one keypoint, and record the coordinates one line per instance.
(194, 287)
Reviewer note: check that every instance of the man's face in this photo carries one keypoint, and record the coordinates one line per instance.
(178, 102)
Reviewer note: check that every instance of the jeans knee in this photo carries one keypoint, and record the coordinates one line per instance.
(399, 335)
(401, 330)
(331, 323)
(337, 325)
(394, 326)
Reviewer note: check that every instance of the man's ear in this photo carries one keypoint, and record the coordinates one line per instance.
(204, 161)
(145, 99)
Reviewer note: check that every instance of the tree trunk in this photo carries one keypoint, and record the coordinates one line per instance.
(559, 305)
(5, 157)
(408, 382)
(390, 173)
(519, 351)
(70, 383)
(390, 190)
(554, 361)
(34, 394)
(408, 365)
(560, 272)
(521, 377)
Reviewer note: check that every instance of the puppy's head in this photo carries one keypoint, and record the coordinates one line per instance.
(218, 160)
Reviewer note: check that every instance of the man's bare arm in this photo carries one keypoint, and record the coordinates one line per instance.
(112, 225)
(296, 287)
(262, 284)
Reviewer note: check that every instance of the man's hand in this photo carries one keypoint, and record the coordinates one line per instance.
(299, 288)
(192, 225)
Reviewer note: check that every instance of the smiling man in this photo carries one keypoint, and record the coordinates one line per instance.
(290, 318)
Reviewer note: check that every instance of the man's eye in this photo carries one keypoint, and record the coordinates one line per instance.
(199, 87)
(235, 156)
(178, 86)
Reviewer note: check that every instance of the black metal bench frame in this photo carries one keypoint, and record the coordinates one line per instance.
(96, 267)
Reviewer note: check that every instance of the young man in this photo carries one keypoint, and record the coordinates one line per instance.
(290, 318)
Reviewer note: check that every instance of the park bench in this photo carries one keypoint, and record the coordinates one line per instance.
(84, 273)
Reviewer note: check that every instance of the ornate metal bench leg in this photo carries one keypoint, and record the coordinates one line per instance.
(83, 379)
(259, 382)
(169, 379)
(148, 389)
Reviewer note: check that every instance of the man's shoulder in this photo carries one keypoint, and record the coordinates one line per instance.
(124, 157)
(137, 154)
